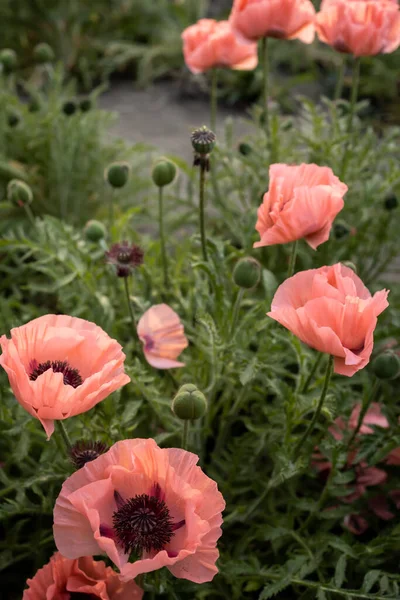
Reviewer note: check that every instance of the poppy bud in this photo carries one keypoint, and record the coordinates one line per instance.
(19, 193)
(164, 172)
(352, 266)
(386, 365)
(391, 202)
(341, 230)
(43, 53)
(69, 108)
(203, 140)
(8, 60)
(85, 105)
(95, 231)
(247, 273)
(245, 149)
(117, 174)
(189, 403)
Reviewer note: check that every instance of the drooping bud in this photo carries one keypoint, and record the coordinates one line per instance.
(8, 60)
(69, 108)
(245, 149)
(189, 403)
(95, 231)
(85, 105)
(19, 193)
(164, 172)
(386, 365)
(203, 142)
(391, 202)
(117, 174)
(247, 273)
(43, 53)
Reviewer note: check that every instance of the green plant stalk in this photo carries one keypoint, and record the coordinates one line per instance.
(363, 411)
(29, 214)
(162, 237)
(236, 309)
(292, 260)
(132, 316)
(185, 434)
(265, 85)
(340, 80)
(65, 436)
(317, 413)
(214, 100)
(111, 197)
(201, 208)
(312, 372)
(350, 120)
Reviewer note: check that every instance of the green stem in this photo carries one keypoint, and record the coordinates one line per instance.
(201, 207)
(236, 309)
(265, 82)
(185, 434)
(128, 299)
(214, 100)
(292, 261)
(162, 237)
(366, 404)
(317, 413)
(312, 372)
(111, 197)
(65, 436)
(29, 214)
(350, 120)
(340, 80)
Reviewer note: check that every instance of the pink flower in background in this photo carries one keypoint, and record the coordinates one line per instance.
(332, 311)
(161, 331)
(282, 19)
(64, 579)
(373, 416)
(61, 366)
(141, 500)
(360, 27)
(209, 44)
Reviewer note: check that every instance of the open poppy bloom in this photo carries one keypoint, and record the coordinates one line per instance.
(209, 44)
(302, 202)
(360, 27)
(66, 579)
(140, 502)
(282, 19)
(331, 310)
(61, 366)
(161, 331)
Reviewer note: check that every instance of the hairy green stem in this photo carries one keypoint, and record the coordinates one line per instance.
(292, 260)
(340, 80)
(132, 316)
(236, 309)
(162, 237)
(350, 120)
(364, 409)
(214, 100)
(65, 436)
(265, 84)
(317, 413)
(312, 372)
(29, 214)
(185, 434)
(202, 210)
(111, 197)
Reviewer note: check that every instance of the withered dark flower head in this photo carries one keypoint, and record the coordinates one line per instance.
(125, 257)
(83, 452)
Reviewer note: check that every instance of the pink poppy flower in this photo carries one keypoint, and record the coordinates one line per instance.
(209, 44)
(373, 416)
(394, 457)
(60, 366)
(360, 27)
(64, 579)
(282, 19)
(161, 331)
(332, 311)
(141, 501)
(302, 202)
(356, 524)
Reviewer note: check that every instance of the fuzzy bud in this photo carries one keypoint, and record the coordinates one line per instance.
(386, 365)
(95, 231)
(245, 149)
(391, 202)
(43, 53)
(247, 273)
(19, 193)
(189, 403)
(117, 174)
(69, 108)
(8, 60)
(164, 172)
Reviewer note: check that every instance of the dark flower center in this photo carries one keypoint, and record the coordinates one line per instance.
(71, 376)
(84, 452)
(143, 523)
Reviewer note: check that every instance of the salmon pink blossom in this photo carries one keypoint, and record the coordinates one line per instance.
(360, 27)
(161, 331)
(331, 310)
(60, 366)
(142, 502)
(302, 202)
(66, 579)
(282, 19)
(209, 44)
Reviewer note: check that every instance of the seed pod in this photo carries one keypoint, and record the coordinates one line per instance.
(95, 231)
(164, 172)
(117, 174)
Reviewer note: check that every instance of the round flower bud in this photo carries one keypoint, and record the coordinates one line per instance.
(203, 140)
(386, 365)
(245, 149)
(43, 53)
(189, 403)
(95, 231)
(13, 117)
(85, 105)
(352, 266)
(391, 202)
(341, 230)
(247, 273)
(19, 193)
(117, 174)
(69, 108)
(164, 172)
(8, 60)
